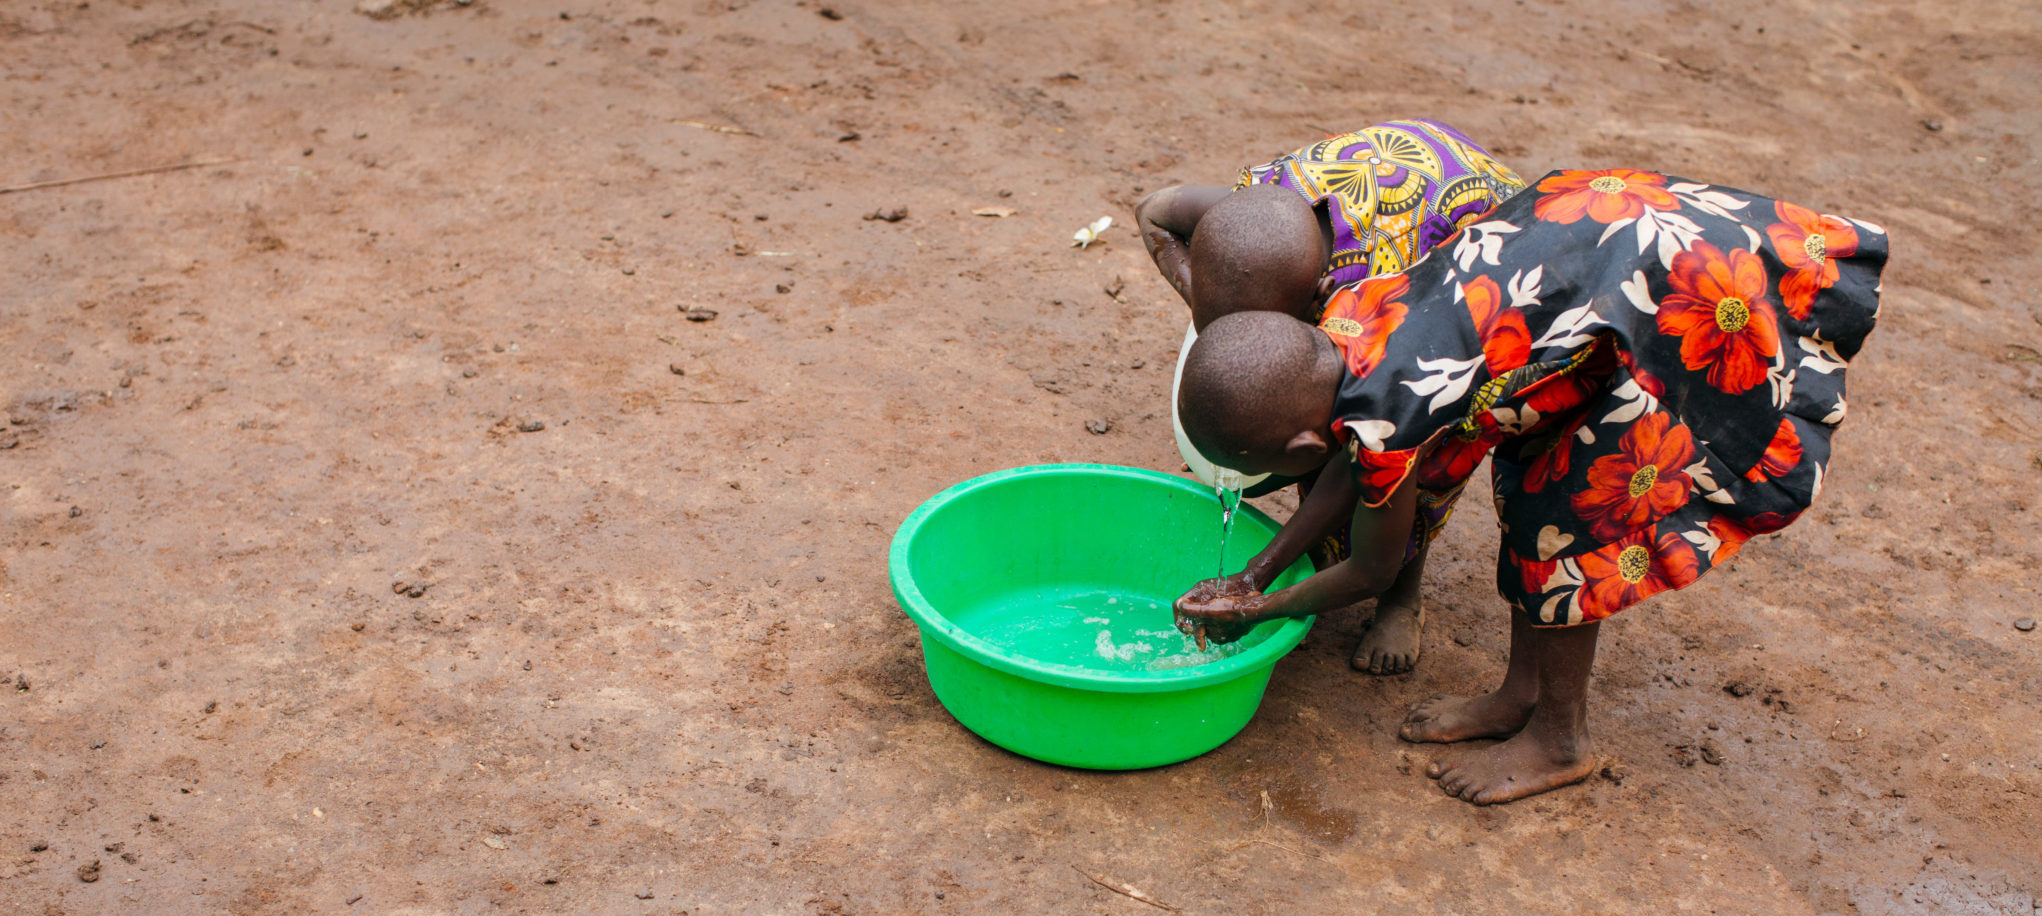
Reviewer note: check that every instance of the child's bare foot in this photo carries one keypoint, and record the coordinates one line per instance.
(1391, 644)
(1444, 719)
(1538, 760)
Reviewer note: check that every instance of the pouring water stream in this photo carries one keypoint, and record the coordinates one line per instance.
(1227, 487)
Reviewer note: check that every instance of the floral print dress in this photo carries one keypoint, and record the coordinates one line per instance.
(1654, 365)
(1392, 191)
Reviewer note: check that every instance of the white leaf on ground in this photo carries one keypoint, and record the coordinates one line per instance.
(1084, 238)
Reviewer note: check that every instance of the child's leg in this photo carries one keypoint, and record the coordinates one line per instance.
(1552, 750)
(1391, 644)
(1492, 715)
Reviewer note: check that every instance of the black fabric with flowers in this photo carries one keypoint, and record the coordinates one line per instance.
(1656, 366)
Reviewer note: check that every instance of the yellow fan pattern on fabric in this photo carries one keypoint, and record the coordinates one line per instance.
(1391, 190)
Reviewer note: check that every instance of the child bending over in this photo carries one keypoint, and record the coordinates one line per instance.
(1348, 207)
(1655, 368)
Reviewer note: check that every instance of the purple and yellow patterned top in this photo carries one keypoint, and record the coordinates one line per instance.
(1392, 191)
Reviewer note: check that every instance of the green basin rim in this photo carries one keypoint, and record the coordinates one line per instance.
(933, 623)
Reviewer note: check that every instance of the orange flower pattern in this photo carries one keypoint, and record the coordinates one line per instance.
(1641, 409)
(1641, 482)
(1360, 320)
(1808, 244)
(1633, 569)
(1458, 454)
(1781, 457)
(1602, 195)
(1550, 463)
(1506, 343)
(1719, 310)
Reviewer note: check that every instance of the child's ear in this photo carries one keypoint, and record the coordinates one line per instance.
(1311, 442)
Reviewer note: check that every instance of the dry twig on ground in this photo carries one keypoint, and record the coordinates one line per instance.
(1125, 890)
(718, 128)
(153, 170)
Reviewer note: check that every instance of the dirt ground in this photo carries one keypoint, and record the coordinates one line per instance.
(295, 618)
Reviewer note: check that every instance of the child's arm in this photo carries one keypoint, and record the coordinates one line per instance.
(1331, 502)
(1167, 218)
(1380, 536)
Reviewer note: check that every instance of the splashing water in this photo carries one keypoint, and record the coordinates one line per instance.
(1095, 629)
(1228, 489)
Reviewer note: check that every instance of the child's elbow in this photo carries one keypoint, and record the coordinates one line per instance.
(1142, 205)
(1151, 205)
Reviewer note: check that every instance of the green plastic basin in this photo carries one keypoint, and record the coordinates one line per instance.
(1043, 595)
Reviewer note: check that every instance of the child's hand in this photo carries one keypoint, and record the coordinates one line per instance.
(1222, 610)
(1237, 584)
(1168, 218)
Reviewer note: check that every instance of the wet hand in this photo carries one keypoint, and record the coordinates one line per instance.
(1220, 610)
(1236, 585)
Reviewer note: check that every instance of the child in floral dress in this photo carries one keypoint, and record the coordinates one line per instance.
(1654, 366)
(1347, 207)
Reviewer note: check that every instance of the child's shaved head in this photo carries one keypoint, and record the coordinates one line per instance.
(1258, 249)
(1258, 387)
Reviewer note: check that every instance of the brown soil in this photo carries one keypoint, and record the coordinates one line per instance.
(654, 664)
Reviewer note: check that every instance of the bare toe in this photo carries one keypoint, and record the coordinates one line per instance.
(1445, 720)
(1527, 764)
(1391, 644)
(1427, 708)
